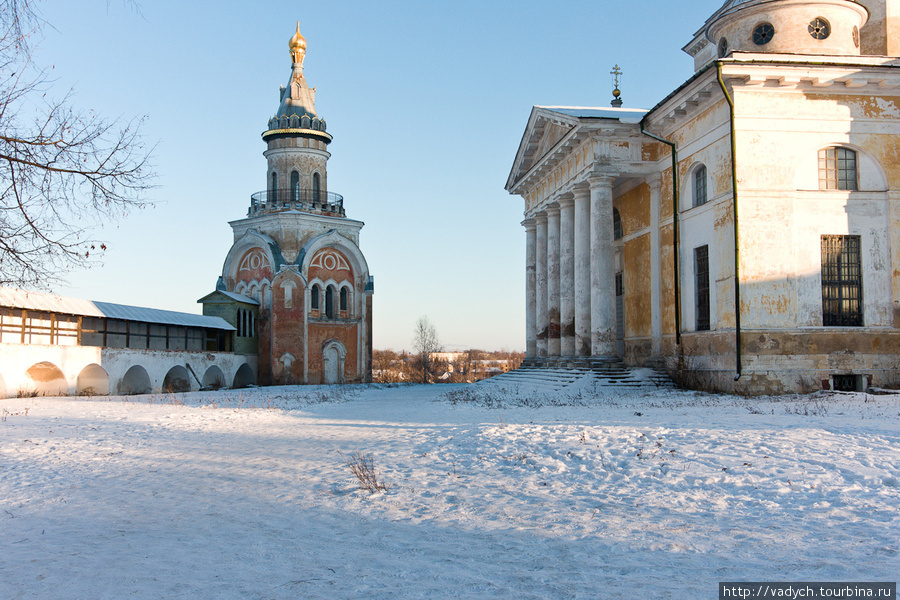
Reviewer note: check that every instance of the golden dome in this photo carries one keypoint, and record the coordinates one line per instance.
(297, 46)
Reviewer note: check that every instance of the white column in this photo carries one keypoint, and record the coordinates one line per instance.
(530, 291)
(567, 276)
(582, 272)
(540, 284)
(603, 269)
(655, 306)
(553, 280)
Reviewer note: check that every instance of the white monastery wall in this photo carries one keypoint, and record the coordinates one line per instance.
(71, 361)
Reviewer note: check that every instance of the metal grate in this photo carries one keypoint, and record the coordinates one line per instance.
(844, 383)
(841, 281)
(701, 271)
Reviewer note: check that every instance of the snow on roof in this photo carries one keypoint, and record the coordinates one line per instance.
(10, 297)
(625, 115)
(234, 296)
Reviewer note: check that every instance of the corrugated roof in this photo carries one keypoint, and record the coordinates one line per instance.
(14, 298)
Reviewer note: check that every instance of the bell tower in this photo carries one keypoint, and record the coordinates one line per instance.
(295, 260)
(296, 146)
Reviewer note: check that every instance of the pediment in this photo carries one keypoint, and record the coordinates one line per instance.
(545, 130)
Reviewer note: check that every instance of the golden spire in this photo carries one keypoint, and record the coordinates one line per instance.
(298, 47)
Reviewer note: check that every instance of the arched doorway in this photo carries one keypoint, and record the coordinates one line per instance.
(47, 380)
(333, 354)
(92, 381)
(177, 380)
(135, 381)
(244, 377)
(213, 379)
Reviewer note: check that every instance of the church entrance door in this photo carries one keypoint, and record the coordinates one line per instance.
(333, 362)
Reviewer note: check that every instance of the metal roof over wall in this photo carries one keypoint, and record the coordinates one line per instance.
(13, 298)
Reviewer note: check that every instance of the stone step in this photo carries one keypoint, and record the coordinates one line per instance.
(605, 373)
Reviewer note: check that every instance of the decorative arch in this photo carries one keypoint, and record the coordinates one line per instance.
(329, 302)
(695, 189)
(871, 174)
(241, 250)
(344, 300)
(177, 380)
(617, 224)
(314, 297)
(93, 380)
(346, 247)
(333, 357)
(244, 377)
(135, 381)
(213, 379)
(288, 288)
(47, 379)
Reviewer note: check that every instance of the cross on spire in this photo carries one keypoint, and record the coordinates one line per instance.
(617, 101)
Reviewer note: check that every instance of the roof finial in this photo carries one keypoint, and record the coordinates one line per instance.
(298, 47)
(617, 101)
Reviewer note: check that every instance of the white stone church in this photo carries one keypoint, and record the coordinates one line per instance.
(746, 229)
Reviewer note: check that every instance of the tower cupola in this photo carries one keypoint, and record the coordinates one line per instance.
(297, 148)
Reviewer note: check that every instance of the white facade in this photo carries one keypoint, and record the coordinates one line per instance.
(768, 259)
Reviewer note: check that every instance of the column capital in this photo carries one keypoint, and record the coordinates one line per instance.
(529, 224)
(552, 210)
(566, 201)
(600, 179)
(654, 183)
(581, 190)
(540, 217)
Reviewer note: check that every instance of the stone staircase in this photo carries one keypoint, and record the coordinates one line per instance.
(561, 375)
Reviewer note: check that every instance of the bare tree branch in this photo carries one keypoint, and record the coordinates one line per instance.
(63, 170)
(426, 343)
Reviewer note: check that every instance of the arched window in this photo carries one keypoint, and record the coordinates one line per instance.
(240, 317)
(295, 186)
(838, 169)
(251, 325)
(287, 289)
(316, 187)
(344, 298)
(329, 302)
(617, 225)
(274, 188)
(698, 194)
(314, 298)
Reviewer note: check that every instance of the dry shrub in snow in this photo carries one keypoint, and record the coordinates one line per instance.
(363, 466)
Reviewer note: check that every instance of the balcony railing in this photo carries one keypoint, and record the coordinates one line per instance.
(303, 200)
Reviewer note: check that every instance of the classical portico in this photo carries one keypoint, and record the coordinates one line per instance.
(743, 232)
(570, 252)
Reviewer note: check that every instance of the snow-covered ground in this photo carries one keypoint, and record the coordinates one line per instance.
(492, 494)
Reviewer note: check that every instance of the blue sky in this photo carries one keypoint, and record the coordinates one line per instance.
(427, 103)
